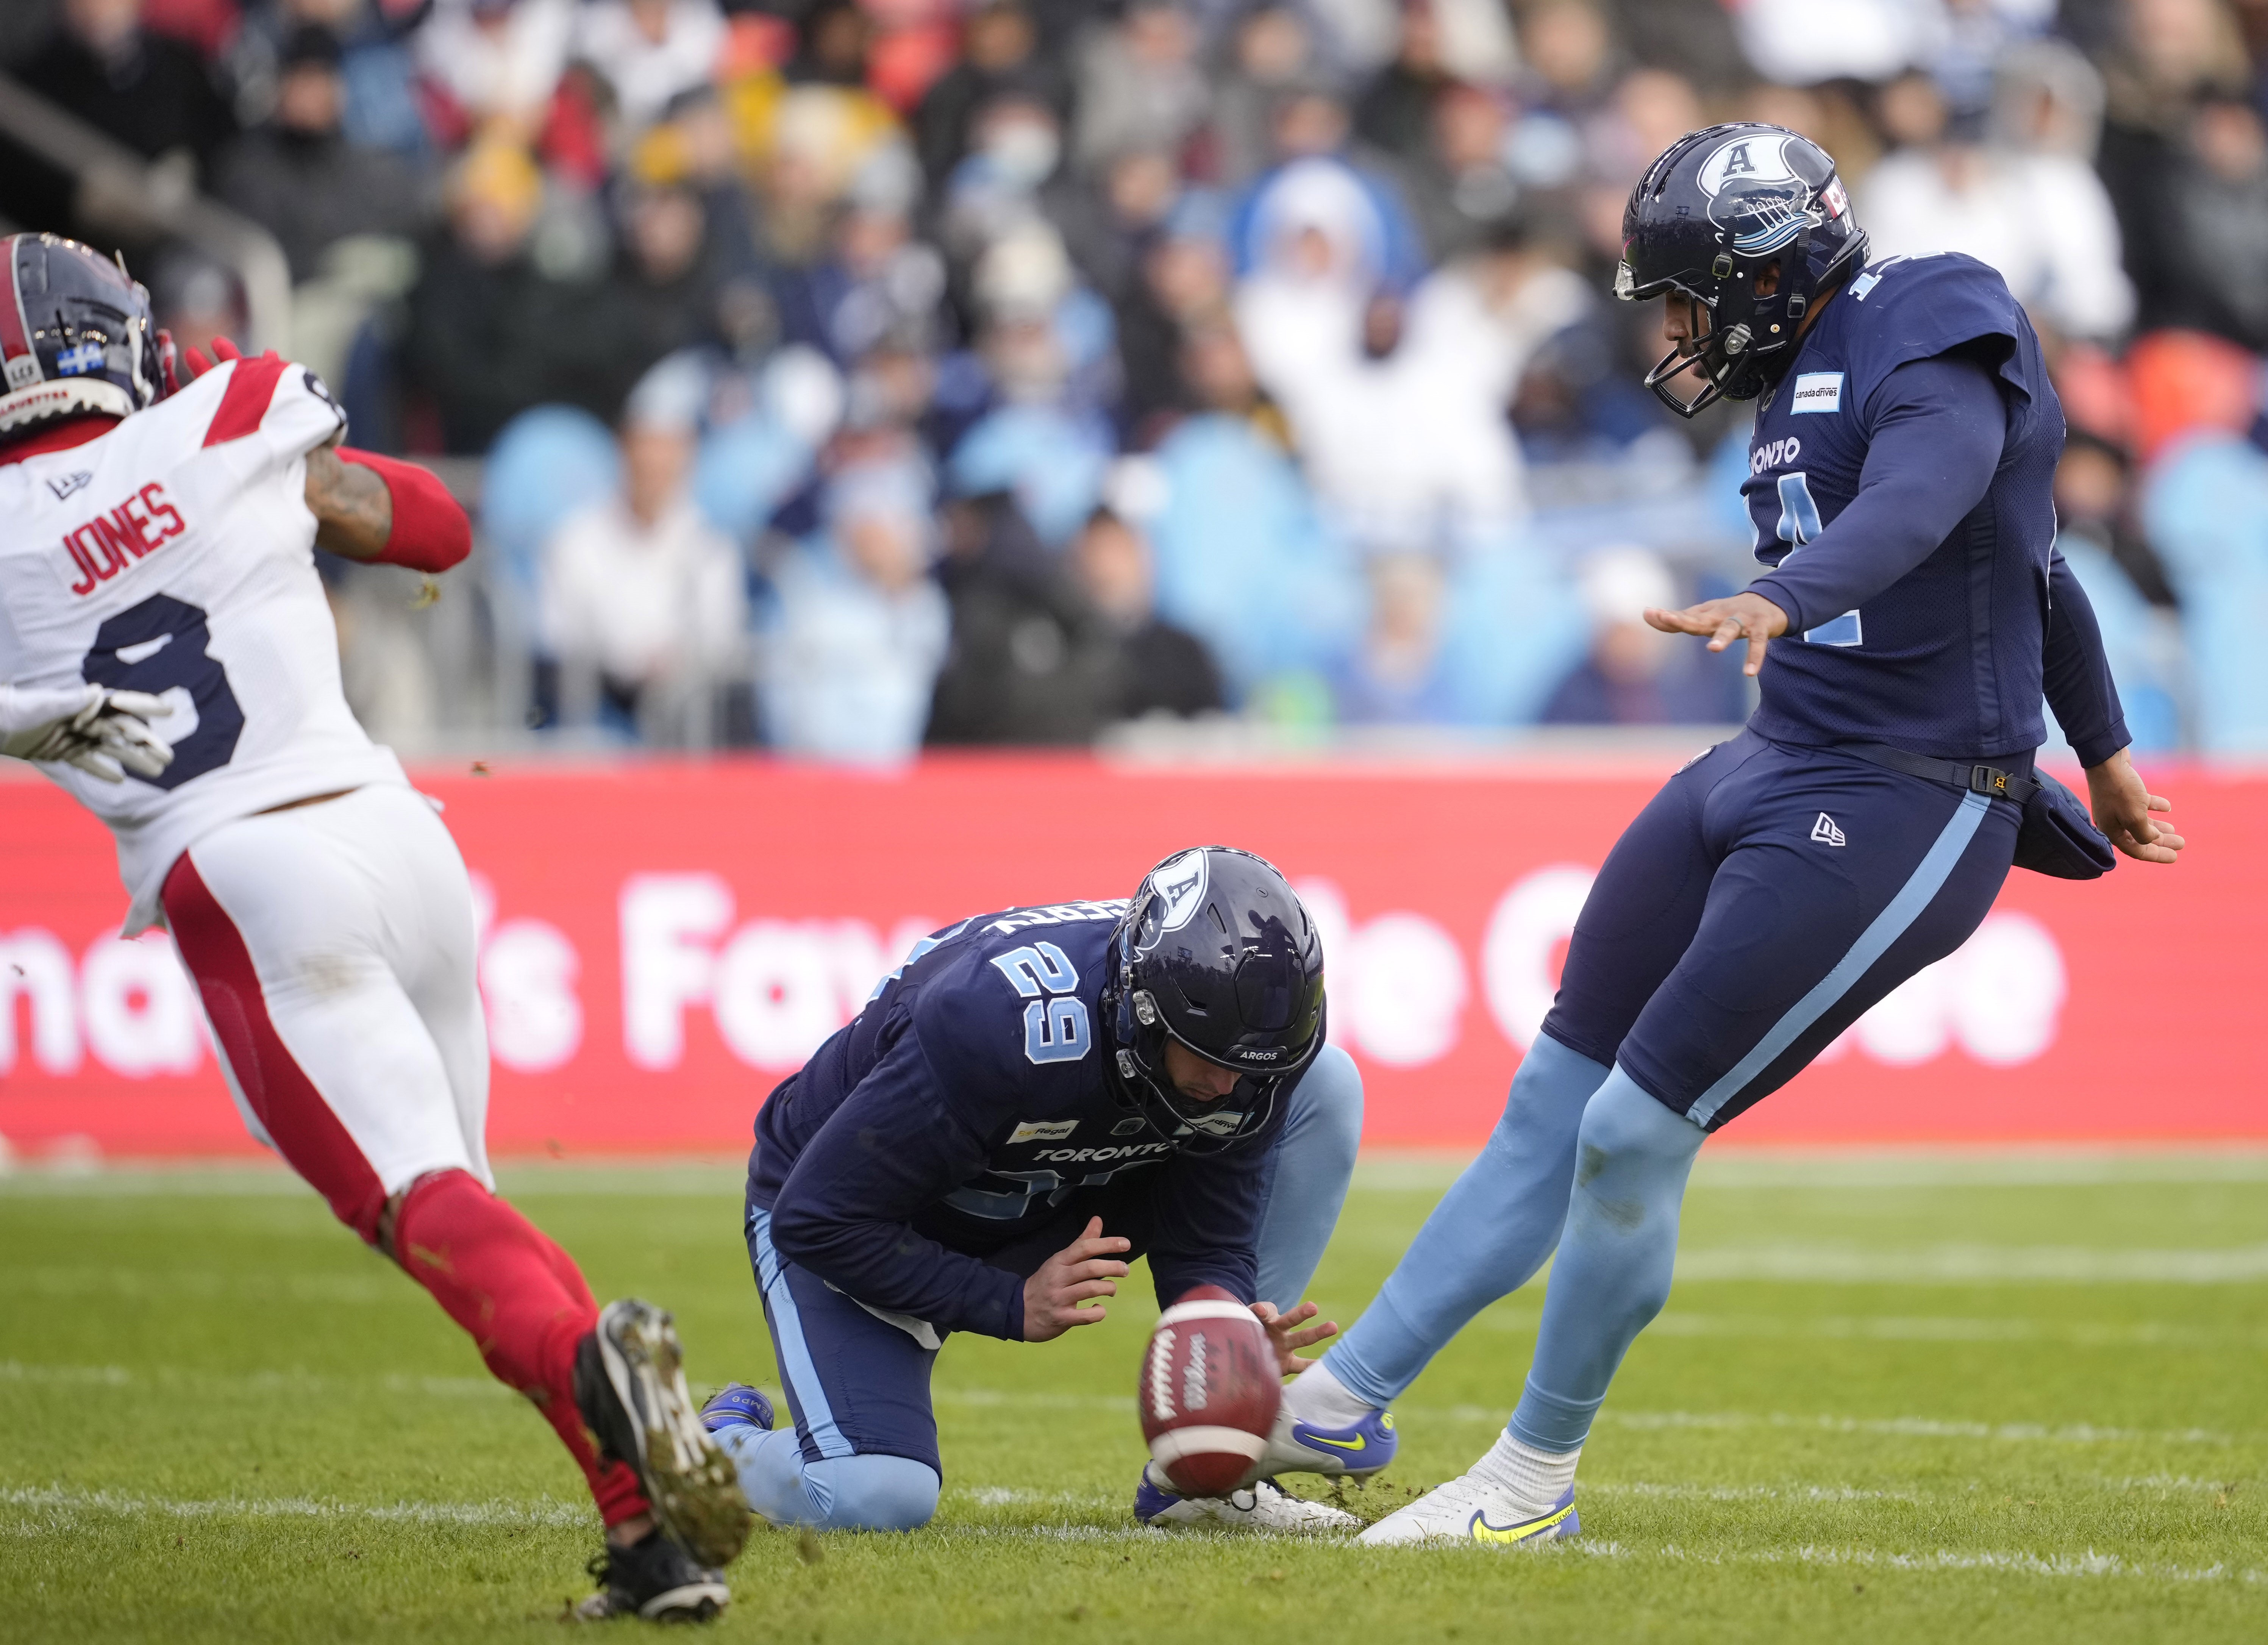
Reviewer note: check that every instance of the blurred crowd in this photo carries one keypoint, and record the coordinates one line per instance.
(855, 374)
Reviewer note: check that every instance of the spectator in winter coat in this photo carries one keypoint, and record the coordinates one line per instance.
(1139, 85)
(300, 179)
(1030, 662)
(483, 321)
(150, 91)
(996, 57)
(643, 603)
(1162, 669)
(859, 628)
(651, 50)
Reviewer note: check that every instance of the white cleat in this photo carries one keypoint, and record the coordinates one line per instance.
(1260, 1506)
(1467, 1510)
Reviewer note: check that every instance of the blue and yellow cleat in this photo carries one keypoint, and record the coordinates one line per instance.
(737, 1405)
(1354, 1452)
(1467, 1510)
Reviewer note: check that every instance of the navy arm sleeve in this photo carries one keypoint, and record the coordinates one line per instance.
(894, 1147)
(2077, 674)
(1206, 1223)
(1939, 426)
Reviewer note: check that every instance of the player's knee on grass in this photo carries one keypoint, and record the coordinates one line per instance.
(872, 1492)
(875, 1491)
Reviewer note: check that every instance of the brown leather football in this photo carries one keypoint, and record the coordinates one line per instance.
(1210, 1390)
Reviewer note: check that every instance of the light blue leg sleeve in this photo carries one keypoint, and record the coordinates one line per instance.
(1315, 1160)
(1633, 1157)
(1487, 1238)
(869, 1493)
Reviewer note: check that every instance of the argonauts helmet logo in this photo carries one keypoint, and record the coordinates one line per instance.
(1755, 194)
(1179, 882)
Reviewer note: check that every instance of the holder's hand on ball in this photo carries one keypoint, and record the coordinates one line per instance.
(1081, 1271)
(1285, 1337)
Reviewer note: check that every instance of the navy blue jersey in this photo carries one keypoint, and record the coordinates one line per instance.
(966, 1110)
(1943, 646)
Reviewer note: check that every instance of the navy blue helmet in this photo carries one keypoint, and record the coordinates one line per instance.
(76, 334)
(1216, 952)
(1721, 207)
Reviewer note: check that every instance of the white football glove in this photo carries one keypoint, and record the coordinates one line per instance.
(104, 733)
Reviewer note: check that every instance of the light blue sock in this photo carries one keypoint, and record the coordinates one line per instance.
(1613, 1272)
(1487, 1238)
(867, 1493)
(1315, 1160)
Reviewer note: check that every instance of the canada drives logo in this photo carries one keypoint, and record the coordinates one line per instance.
(1817, 392)
(1755, 194)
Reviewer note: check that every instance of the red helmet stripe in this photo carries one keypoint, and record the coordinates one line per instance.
(15, 334)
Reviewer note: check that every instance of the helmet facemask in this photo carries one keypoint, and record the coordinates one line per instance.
(1214, 954)
(1144, 1085)
(1750, 339)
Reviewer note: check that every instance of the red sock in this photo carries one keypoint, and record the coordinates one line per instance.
(524, 1302)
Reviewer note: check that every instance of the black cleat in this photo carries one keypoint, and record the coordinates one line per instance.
(657, 1580)
(629, 1386)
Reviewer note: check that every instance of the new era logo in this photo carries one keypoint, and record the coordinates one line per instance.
(1825, 831)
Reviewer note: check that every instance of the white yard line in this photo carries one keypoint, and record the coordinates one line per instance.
(2087, 1566)
(1905, 1427)
(272, 1384)
(59, 1504)
(258, 1384)
(1891, 1328)
(58, 1500)
(1811, 1263)
(208, 1285)
(1727, 1166)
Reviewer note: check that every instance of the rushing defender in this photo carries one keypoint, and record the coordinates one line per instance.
(1857, 829)
(169, 658)
(1036, 1098)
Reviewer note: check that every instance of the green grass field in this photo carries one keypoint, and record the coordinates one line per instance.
(1902, 1397)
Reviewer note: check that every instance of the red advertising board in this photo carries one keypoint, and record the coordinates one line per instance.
(661, 942)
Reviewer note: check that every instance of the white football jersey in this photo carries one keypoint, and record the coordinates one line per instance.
(174, 555)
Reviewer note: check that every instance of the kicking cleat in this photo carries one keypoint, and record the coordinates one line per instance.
(1355, 1452)
(1260, 1506)
(1467, 1510)
(654, 1579)
(630, 1385)
(737, 1405)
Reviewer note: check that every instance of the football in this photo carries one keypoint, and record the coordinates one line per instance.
(1208, 1393)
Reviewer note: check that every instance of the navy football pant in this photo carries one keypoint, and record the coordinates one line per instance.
(1762, 902)
(1758, 905)
(862, 1453)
